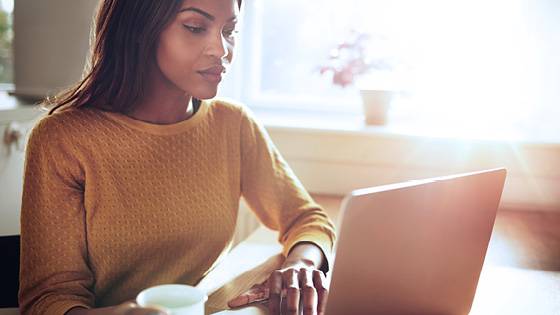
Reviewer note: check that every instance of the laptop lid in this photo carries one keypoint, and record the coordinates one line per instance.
(415, 247)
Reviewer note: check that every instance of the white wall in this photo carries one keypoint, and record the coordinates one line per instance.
(334, 162)
(11, 171)
(51, 43)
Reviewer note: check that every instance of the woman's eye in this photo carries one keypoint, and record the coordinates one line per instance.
(194, 29)
(230, 33)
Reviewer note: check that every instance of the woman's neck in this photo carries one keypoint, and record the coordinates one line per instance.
(164, 111)
(163, 102)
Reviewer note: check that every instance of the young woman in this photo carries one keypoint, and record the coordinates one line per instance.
(134, 177)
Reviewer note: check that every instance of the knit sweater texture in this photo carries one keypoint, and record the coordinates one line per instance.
(112, 205)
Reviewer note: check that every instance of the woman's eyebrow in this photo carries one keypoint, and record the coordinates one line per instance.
(199, 11)
(204, 13)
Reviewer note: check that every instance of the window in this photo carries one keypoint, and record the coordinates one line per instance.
(493, 60)
(6, 35)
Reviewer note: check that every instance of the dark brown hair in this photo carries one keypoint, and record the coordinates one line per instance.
(125, 39)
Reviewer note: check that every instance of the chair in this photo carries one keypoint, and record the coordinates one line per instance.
(9, 270)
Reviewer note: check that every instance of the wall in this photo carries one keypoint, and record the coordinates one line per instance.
(333, 162)
(51, 42)
(11, 169)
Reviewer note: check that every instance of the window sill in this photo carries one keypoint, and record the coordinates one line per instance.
(334, 154)
(412, 125)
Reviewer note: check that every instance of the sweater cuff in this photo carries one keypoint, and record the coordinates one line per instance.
(323, 241)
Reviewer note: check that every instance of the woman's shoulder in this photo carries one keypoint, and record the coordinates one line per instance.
(70, 122)
(227, 105)
(231, 106)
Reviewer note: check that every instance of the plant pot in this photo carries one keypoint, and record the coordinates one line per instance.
(376, 104)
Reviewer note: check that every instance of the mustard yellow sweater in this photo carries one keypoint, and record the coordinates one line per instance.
(112, 205)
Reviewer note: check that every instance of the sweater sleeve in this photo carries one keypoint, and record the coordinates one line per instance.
(54, 274)
(276, 195)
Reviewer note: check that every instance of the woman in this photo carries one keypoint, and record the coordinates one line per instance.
(134, 177)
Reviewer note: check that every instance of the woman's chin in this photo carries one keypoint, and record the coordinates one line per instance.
(205, 95)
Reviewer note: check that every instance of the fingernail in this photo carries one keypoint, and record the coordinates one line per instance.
(234, 303)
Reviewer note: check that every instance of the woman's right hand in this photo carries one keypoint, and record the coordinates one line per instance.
(127, 308)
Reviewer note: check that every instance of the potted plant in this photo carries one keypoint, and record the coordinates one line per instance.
(366, 61)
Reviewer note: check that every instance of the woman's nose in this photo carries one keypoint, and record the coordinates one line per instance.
(218, 47)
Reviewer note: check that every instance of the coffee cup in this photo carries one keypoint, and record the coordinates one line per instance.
(176, 299)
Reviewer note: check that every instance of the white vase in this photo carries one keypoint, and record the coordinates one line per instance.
(376, 104)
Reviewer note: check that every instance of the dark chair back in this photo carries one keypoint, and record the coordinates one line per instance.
(9, 270)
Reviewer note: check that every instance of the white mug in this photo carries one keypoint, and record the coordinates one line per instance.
(176, 299)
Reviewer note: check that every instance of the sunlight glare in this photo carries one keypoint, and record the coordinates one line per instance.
(7, 5)
(467, 58)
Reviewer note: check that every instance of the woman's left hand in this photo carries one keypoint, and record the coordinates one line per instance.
(296, 284)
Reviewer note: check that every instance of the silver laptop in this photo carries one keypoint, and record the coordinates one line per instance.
(416, 247)
(412, 248)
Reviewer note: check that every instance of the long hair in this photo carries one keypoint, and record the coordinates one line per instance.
(125, 40)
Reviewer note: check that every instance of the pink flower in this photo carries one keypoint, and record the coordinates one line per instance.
(344, 77)
(349, 59)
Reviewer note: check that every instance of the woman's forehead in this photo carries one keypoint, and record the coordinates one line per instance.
(224, 3)
(226, 8)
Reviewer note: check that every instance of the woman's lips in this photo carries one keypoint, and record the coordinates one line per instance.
(213, 74)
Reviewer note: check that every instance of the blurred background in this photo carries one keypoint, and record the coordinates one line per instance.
(462, 86)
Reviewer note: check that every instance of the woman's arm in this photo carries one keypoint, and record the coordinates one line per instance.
(281, 203)
(276, 195)
(305, 253)
(54, 273)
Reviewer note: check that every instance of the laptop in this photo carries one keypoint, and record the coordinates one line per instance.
(415, 247)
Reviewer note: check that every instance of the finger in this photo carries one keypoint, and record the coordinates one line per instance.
(145, 311)
(258, 292)
(131, 308)
(275, 292)
(308, 292)
(291, 284)
(320, 283)
(155, 311)
(125, 306)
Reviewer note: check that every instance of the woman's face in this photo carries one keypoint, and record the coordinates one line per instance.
(195, 49)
